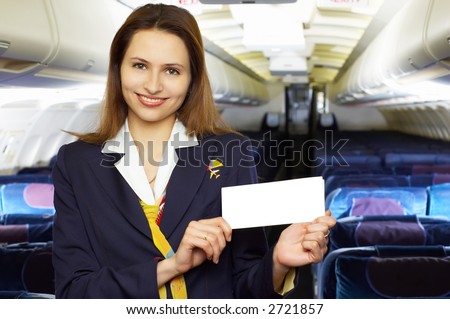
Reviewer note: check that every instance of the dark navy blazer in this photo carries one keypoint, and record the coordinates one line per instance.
(102, 242)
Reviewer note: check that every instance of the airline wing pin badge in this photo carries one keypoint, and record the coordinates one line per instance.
(213, 168)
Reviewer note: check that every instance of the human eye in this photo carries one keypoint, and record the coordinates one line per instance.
(139, 66)
(172, 71)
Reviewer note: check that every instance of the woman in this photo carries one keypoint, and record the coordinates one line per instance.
(138, 201)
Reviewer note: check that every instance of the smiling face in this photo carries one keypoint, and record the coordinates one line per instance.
(155, 75)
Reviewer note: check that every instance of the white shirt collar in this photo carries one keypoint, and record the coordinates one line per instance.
(133, 171)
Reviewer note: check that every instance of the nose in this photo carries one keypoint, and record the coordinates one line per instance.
(153, 83)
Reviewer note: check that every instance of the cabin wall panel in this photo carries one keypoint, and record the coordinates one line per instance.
(358, 118)
(31, 133)
(428, 120)
(249, 118)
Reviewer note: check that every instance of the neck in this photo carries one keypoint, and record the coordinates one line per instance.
(143, 131)
(152, 138)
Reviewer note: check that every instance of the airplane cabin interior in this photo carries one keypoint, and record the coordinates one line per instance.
(357, 92)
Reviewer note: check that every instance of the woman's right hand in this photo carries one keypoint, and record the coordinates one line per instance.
(203, 239)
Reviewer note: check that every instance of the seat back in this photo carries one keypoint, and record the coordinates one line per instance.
(439, 200)
(27, 267)
(366, 162)
(407, 230)
(20, 219)
(365, 180)
(25, 178)
(430, 169)
(349, 201)
(386, 272)
(26, 233)
(27, 198)
(331, 170)
(384, 231)
(411, 159)
(24, 295)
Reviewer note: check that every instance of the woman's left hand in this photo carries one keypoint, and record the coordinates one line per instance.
(303, 243)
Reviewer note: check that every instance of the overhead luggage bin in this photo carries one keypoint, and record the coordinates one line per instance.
(437, 33)
(261, 93)
(39, 41)
(86, 47)
(27, 38)
(233, 87)
(412, 48)
(83, 52)
(410, 54)
(233, 91)
(217, 76)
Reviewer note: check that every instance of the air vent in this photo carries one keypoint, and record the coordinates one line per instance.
(4, 45)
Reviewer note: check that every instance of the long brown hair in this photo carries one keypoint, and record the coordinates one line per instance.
(198, 112)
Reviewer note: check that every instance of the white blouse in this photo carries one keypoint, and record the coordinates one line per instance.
(131, 168)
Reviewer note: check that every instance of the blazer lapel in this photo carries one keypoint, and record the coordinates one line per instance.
(183, 185)
(118, 190)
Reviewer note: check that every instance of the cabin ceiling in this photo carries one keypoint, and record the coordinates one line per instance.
(319, 37)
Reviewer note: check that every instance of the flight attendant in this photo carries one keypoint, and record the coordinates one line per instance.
(138, 206)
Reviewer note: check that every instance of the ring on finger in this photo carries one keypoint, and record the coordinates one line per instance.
(328, 234)
(205, 237)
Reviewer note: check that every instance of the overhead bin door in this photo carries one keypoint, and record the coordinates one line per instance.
(231, 86)
(86, 29)
(437, 37)
(27, 39)
(49, 43)
(410, 53)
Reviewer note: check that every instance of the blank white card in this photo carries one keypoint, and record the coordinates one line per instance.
(274, 203)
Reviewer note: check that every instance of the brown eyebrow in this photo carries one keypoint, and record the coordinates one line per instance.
(167, 64)
(139, 59)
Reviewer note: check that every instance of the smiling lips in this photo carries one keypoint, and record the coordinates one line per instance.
(150, 101)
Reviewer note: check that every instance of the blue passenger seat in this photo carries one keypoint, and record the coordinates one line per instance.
(352, 161)
(439, 202)
(31, 233)
(21, 294)
(431, 169)
(383, 231)
(373, 272)
(410, 159)
(364, 180)
(330, 171)
(25, 178)
(349, 201)
(26, 198)
(406, 230)
(27, 267)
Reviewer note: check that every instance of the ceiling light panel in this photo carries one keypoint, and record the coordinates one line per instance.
(283, 35)
(326, 37)
(344, 19)
(335, 31)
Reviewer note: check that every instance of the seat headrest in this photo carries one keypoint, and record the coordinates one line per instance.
(376, 206)
(27, 198)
